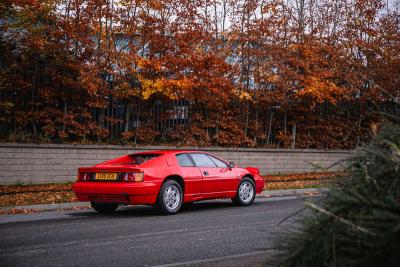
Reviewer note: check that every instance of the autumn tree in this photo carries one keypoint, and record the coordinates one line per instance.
(301, 73)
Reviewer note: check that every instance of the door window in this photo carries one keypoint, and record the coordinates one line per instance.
(202, 160)
(218, 162)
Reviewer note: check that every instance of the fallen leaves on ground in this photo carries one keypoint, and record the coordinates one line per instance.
(18, 211)
(34, 188)
(16, 195)
(298, 181)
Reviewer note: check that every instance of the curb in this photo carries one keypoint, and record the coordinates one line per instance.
(294, 192)
(48, 207)
(64, 206)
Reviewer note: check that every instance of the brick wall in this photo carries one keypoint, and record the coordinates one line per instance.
(30, 163)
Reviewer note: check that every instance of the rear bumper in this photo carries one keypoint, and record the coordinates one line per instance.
(119, 192)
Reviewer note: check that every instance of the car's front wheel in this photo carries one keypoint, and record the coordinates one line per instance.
(170, 197)
(104, 207)
(245, 193)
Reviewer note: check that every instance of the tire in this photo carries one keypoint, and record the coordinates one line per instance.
(245, 193)
(104, 207)
(170, 198)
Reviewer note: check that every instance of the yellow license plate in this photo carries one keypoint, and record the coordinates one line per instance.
(106, 176)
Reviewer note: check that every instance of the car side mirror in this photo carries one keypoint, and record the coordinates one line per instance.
(231, 165)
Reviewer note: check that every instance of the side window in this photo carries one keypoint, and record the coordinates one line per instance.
(184, 160)
(218, 162)
(202, 160)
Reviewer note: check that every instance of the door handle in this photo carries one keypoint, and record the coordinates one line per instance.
(205, 173)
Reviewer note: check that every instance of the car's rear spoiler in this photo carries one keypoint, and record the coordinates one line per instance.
(109, 169)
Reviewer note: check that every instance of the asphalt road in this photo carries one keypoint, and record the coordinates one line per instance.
(213, 233)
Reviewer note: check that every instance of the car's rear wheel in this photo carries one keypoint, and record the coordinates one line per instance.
(170, 197)
(104, 207)
(245, 193)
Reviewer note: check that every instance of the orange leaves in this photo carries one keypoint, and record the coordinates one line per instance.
(320, 90)
(171, 88)
(18, 211)
(149, 64)
(89, 78)
(315, 71)
(144, 135)
(243, 95)
(150, 87)
(108, 71)
(298, 181)
(194, 135)
(35, 194)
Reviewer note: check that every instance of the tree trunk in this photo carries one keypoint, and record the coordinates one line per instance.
(127, 115)
(246, 129)
(255, 134)
(65, 114)
(216, 131)
(285, 122)
(271, 114)
(137, 119)
(293, 145)
(33, 96)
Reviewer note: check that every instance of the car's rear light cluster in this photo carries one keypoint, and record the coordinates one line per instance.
(121, 177)
(132, 177)
(85, 176)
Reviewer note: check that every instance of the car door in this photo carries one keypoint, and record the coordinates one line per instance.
(227, 177)
(216, 178)
(192, 175)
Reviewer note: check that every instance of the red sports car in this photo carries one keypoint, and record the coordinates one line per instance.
(165, 179)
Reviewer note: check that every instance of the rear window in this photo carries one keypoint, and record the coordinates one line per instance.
(138, 159)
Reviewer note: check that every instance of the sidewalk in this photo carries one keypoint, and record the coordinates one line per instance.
(84, 205)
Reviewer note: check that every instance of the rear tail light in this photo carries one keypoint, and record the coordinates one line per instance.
(132, 177)
(84, 176)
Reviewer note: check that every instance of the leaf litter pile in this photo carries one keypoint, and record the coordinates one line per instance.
(20, 195)
(299, 181)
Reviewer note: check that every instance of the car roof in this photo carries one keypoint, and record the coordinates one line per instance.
(175, 151)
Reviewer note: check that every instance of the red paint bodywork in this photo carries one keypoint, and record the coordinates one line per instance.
(219, 183)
